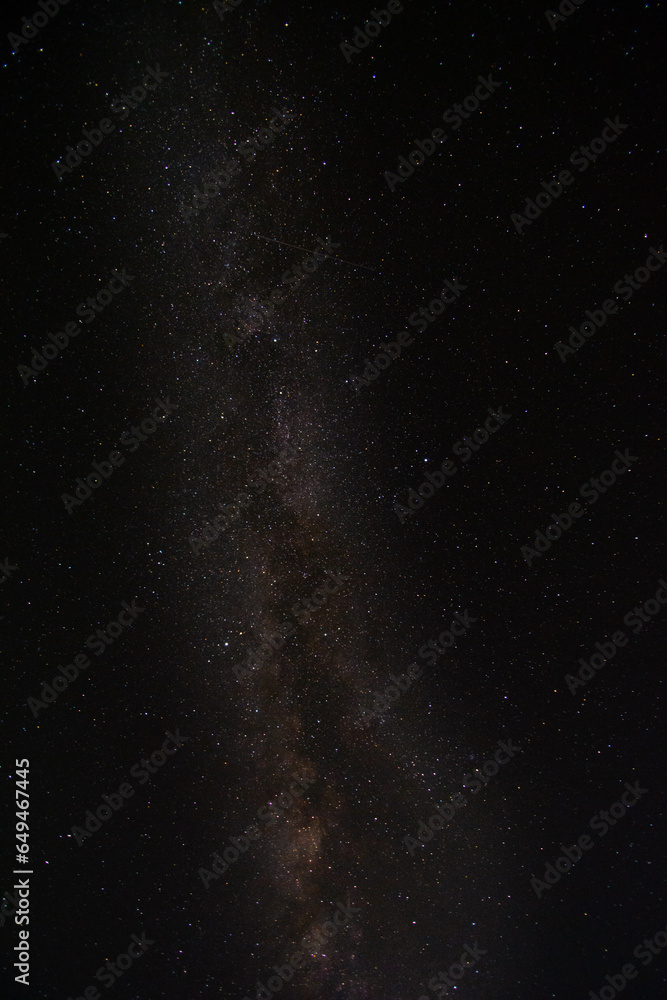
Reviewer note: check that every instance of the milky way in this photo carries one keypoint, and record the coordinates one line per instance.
(370, 420)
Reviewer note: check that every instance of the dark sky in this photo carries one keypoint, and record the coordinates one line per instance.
(334, 604)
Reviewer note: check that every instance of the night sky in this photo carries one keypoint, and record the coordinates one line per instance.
(334, 500)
